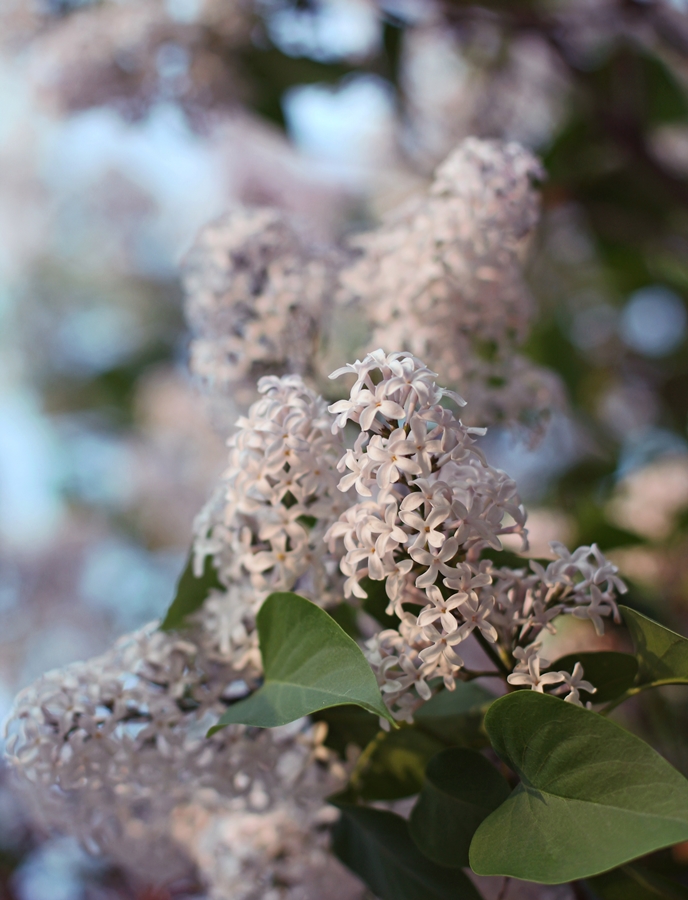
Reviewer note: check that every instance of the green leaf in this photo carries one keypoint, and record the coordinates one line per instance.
(611, 673)
(636, 883)
(377, 601)
(345, 616)
(456, 717)
(191, 593)
(309, 662)
(461, 789)
(662, 654)
(393, 764)
(377, 847)
(348, 725)
(633, 882)
(592, 796)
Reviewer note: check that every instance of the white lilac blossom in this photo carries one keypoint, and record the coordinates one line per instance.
(78, 59)
(428, 506)
(442, 277)
(264, 527)
(257, 287)
(110, 748)
(113, 751)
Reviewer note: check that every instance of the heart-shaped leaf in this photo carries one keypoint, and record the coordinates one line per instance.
(393, 765)
(592, 796)
(191, 594)
(310, 664)
(461, 789)
(376, 846)
(661, 653)
(611, 673)
(456, 717)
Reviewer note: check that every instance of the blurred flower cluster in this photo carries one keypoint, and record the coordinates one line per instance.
(307, 135)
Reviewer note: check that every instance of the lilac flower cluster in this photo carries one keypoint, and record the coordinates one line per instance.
(428, 505)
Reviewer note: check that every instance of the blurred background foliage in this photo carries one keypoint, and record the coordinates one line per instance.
(124, 126)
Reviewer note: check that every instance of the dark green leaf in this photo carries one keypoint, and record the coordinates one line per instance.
(309, 662)
(348, 725)
(191, 594)
(377, 601)
(592, 796)
(611, 673)
(662, 654)
(461, 789)
(456, 717)
(393, 764)
(376, 846)
(636, 883)
(345, 616)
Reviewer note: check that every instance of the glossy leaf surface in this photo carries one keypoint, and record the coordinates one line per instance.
(310, 664)
(592, 796)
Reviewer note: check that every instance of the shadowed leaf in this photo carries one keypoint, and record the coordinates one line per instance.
(461, 789)
(611, 673)
(393, 764)
(191, 594)
(376, 846)
(661, 653)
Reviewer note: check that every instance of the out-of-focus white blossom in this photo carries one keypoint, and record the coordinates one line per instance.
(132, 55)
(109, 749)
(442, 278)
(258, 288)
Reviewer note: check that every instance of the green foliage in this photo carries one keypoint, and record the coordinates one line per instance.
(393, 764)
(345, 616)
(662, 654)
(348, 725)
(191, 594)
(611, 673)
(376, 845)
(636, 883)
(377, 601)
(461, 789)
(309, 662)
(592, 796)
(456, 717)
